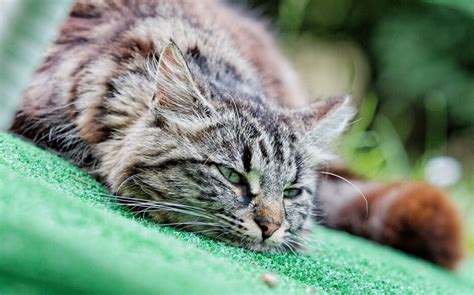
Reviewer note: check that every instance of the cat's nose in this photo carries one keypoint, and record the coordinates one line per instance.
(268, 226)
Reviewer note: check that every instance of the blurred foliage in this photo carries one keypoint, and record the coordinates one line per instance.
(418, 50)
(424, 56)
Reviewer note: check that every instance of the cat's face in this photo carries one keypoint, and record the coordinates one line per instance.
(239, 179)
(231, 170)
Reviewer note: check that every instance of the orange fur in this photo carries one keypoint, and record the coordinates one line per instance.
(415, 217)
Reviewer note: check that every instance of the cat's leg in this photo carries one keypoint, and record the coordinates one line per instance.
(415, 217)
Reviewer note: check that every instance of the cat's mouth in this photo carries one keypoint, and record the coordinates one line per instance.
(259, 246)
(248, 242)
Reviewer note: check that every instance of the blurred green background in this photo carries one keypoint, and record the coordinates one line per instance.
(409, 65)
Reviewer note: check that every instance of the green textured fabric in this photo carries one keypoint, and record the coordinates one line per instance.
(58, 235)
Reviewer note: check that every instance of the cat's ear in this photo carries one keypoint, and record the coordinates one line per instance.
(176, 96)
(324, 120)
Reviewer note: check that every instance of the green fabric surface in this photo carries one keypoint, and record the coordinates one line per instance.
(59, 235)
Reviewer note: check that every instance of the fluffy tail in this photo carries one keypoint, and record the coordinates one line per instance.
(415, 217)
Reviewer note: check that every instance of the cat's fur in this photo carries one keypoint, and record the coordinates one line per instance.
(153, 96)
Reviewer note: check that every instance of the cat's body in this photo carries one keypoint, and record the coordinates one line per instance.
(184, 103)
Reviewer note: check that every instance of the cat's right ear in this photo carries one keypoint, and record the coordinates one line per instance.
(322, 122)
(177, 99)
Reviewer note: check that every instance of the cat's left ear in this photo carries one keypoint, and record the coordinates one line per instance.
(324, 120)
(176, 97)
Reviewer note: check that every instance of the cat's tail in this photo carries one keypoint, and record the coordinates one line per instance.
(415, 217)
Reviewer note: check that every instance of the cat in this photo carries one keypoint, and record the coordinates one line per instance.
(188, 107)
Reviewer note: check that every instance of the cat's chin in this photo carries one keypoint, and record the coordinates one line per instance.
(275, 248)
(262, 247)
(258, 246)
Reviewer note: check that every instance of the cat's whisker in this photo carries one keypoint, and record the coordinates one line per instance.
(219, 235)
(117, 191)
(128, 201)
(176, 210)
(191, 223)
(227, 218)
(290, 247)
(301, 244)
(297, 239)
(306, 240)
(206, 231)
(354, 187)
(153, 205)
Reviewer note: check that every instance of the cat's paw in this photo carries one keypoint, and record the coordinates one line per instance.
(417, 218)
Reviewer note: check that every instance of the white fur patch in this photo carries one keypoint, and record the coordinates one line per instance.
(254, 182)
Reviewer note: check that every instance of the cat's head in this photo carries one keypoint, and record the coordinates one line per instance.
(230, 169)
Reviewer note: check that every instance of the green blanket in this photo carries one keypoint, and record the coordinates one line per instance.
(59, 234)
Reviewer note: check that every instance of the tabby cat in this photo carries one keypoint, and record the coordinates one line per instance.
(188, 109)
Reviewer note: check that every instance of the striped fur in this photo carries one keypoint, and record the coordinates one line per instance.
(153, 97)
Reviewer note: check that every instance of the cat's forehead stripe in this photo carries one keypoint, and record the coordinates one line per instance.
(247, 158)
(263, 149)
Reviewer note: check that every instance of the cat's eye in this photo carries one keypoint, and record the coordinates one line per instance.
(292, 193)
(231, 175)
